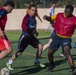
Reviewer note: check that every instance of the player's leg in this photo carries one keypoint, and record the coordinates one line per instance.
(38, 55)
(48, 28)
(36, 44)
(49, 42)
(47, 45)
(21, 47)
(52, 48)
(63, 54)
(39, 51)
(5, 52)
(70, 59)
(52, 29)
(5, 47)
(66, 44)
(10, 61)
(51, 58)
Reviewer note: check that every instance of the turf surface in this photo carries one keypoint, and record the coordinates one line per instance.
(24, 65)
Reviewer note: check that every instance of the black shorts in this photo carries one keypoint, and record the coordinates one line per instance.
(59, 41)
(53, 34)
(26, 40)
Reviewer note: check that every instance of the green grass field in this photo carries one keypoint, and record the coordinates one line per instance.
(24, 65)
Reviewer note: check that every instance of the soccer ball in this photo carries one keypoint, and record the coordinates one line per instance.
(5, 71)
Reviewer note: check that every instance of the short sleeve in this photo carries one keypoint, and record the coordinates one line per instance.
(53, 18)
(2, 13)
(27, 11)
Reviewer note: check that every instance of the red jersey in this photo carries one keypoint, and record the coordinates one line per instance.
(27, 22)
(3, 18)
(4, 42)
(64, 27)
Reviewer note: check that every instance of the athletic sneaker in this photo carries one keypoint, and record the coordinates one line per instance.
(9, 66)
(74, 72)
(63, 55)
(38, 64)
(51, 66)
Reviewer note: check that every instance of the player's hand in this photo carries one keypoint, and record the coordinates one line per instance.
(48, 18)
(36, 33)
(44, 17)
(1, 33)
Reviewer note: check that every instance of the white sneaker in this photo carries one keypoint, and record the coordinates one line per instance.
(62, 54)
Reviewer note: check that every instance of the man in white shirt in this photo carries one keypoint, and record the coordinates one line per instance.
(51, 13)
(52, 10)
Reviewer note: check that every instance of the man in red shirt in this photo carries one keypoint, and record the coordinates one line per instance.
(64, 26)
(5, 46)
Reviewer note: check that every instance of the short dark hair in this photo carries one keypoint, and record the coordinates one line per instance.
(9, 3)
(32, 6)
(69, 6)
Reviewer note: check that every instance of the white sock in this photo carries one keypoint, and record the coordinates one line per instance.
(10, 61)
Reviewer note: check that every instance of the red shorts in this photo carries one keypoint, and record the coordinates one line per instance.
(4, 43)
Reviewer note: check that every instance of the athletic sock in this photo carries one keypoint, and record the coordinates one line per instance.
(10, 61)
(37, 60)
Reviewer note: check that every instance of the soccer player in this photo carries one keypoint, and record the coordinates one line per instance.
(28, 38)
(64, 26)
(36, 13)
(51, 13)
(5, 46)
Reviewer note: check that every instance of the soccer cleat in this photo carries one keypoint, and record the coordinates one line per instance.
(9, 66)
(74, 72)
(38, 64)
(63, 55)
(51, 66)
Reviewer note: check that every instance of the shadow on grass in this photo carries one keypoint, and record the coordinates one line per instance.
(57, 63)
(61, 69)
(32, 70)
(27, 70)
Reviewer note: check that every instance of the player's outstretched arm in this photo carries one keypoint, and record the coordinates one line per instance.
(48, 18)
(39, 17)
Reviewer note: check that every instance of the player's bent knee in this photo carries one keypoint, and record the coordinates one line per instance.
(9, 51)
(67, 53)
(19, 53)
